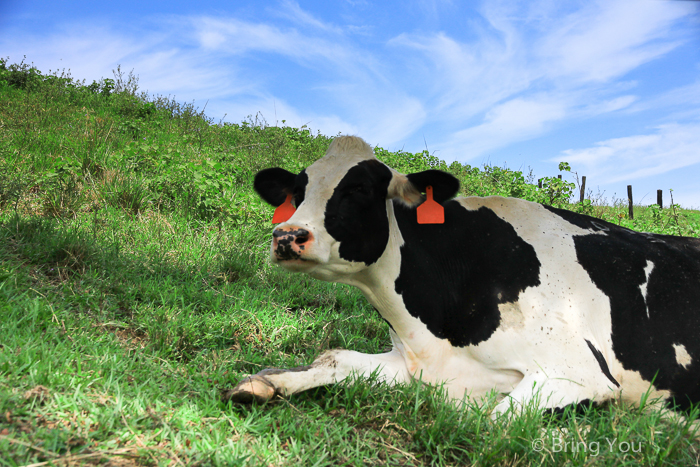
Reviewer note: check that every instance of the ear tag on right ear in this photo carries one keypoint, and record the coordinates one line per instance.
(430, 212)
(284, 211)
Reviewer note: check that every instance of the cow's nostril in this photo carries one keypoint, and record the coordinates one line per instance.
(302, 236)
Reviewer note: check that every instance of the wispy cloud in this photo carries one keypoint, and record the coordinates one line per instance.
(514, 120)
(606, 39)
(292, 11)
(528, 49)
(667, 148)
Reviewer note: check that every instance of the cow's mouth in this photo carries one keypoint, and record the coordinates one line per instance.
(285, 251)
(296, 264)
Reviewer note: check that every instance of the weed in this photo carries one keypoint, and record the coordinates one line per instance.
(128, 192)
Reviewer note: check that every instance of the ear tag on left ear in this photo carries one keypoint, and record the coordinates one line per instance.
(430, 212)
(284, 211)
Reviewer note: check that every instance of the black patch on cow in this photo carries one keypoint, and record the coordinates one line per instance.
(601, 361)
(445, 186)
(580, 408)
(356, 212)
(454, 275)
(645, 329)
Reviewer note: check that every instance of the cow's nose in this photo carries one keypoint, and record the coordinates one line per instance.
(302, 235)
(290, 242)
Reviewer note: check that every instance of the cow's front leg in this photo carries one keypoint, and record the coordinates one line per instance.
(331, 367)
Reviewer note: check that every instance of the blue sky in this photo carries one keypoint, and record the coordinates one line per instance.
(612, 87)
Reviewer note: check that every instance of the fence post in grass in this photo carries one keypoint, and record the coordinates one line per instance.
(629, 197)
(660, 198)
(583, 188)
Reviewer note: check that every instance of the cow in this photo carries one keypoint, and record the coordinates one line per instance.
(542, 305)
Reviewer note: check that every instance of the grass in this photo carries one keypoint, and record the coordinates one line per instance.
(134, 288)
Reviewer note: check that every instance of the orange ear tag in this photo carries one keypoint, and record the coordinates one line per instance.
(284, 211)
(430, 212)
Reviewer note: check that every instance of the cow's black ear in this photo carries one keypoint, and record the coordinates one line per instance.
(273, 185)
(445, 186)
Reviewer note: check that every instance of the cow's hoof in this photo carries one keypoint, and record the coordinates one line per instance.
(252, 389)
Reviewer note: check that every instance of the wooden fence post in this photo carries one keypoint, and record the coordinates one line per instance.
(629, 197)
(583, 188)
(660, 198)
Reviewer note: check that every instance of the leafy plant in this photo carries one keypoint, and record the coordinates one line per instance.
(556, 191)
(63, 190)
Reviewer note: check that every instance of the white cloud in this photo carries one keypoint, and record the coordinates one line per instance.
(394, 123)
(516, 120)
(607, 106)
(669, 147)
(606, 39)
(89, 52)
(464, 79)
(536, 66)
(294, 12)
(688, 95)
(234, 38)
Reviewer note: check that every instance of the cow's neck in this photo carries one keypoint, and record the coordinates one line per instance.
(377, 282)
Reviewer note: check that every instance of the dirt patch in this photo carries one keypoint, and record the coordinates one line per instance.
(130, 339)
(39, 394)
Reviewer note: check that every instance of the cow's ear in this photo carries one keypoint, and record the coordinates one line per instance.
(445, 186)
(273, 185)
(408, 188)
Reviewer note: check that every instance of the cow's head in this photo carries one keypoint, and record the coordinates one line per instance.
(342, 222)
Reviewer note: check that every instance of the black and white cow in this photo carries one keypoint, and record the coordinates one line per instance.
(507, 295)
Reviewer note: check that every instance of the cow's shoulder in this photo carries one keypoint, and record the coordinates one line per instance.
(454, 276)
(533, 222)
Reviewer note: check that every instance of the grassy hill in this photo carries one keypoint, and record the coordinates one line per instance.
(134, 287)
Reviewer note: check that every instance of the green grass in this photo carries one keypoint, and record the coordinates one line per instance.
(134, 288)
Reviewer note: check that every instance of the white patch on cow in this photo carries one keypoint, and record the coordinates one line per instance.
(634, 387)
(683, 358)
(511, 316)
(643, 287)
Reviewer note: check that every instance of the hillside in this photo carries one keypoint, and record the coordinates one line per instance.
(134, 287)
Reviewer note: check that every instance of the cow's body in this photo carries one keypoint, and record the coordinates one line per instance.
(506, 295)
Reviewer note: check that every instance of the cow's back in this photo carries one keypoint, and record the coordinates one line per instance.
(653, 282)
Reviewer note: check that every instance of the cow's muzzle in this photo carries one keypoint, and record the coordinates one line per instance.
(289, 243)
